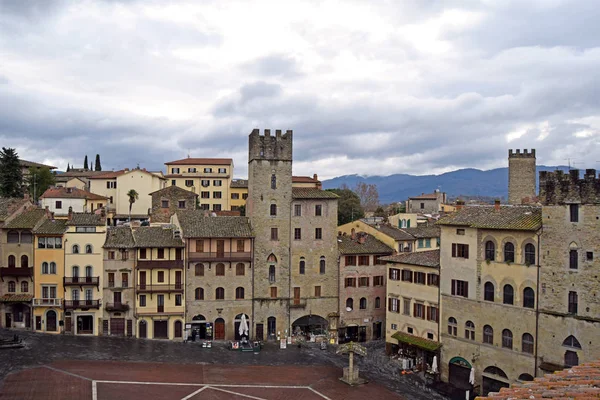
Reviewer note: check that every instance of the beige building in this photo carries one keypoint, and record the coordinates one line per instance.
(59, 200)
(66, 181)
(83, 278)
(118, 297)
(210, 178)
(426, 203)
(160, 289)
(489, 269)
(361, 287)
(413, 307)
(219, 274)
(403, 220)
(569, 322)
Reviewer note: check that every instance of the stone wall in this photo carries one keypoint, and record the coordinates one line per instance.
(173, 195)
(560, 188)
(521, 175)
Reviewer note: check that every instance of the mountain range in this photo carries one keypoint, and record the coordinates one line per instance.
(468, 182)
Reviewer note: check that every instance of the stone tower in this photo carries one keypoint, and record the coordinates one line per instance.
(269, 208)
(521, 175)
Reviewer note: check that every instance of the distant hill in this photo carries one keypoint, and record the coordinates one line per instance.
(466, 182)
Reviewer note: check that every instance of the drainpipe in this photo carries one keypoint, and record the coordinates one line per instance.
(289, 310)
(253, 321)
(64, 273)
(537, 303)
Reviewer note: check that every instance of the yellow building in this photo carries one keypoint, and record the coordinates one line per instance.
(208, 177)
(403, 220)
(49, 271)
(83, 278)
(160, 286)
(238, 193)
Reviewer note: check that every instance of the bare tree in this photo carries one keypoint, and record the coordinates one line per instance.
(368, 194)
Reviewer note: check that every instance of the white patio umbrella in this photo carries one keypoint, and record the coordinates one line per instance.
(243, 330)
(472, 376)
(434, 367)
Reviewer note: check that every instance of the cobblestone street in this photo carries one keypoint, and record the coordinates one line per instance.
(42, 349)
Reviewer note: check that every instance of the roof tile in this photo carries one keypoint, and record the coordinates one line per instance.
(312, 193)
(70, 193)
(430, 258)
(196, 224)
(526, 218)
(119, 237)
(86, 219)
(346, 245)
(156, 236)
(201, 161)
(27, 219)
(51, 227)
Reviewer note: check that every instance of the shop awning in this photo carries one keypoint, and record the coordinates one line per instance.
(422, 343)
(551, 367)
(16, 298)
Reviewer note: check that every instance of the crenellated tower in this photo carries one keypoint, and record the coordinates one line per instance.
(521, 175)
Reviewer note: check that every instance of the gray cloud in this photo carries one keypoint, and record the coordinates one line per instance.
(274, 65)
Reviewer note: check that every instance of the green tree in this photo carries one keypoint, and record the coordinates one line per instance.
(11, 175)
(38, 181)
(85, 163)
(380, 212)
(133, 196)
(349, 208)
(242, 210)
(97, 166)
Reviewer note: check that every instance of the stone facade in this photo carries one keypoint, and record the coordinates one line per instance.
(570, 290)
(521, 175)
(167, 201)
(426, 203)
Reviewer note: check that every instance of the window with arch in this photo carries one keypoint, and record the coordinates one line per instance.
(572, 341)
(529, 254)
(322, 265)
(573, 257)
(220, 269)
(470, 330)
(75, 271)
(12, 287)
(377, 302)
(273, 210)
(525, 377)
(52, 268)
(271, 258)
(488, 291)
(349, 304)
(199, 269)
(271, 273)
(88, 249)
(240, 269)
(24, 287)
(508, 294)
(239, 293)
(363, 303)
(488, 334)
(12, 237)
(528, 298)
(12, 261)
(220, 293)
(507, 339)
(490, 251)
(44, 267)
(302, 266)
(24, 261)
(273, 181)
(75, 249)
(573, 301)
(452, 326)
(89, 271)
(527, 343)
(571, 358)
(199, 294)
(26, 237)
(509, 252)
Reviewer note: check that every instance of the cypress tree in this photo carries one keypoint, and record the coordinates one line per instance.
(85, 163)
(11, 175)
(97, 167)
(68, 168)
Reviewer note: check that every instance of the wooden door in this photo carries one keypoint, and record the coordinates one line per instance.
(117, 326)
(129, 328)
(160, 303)
(51, 321)
(296, 295)
(38, 323)
(260, 332)
(117, 298)
(220, 248)
(143, 330)
(220, 329)
(105, 327)
(142, 280)
(161, 329)
(178, 329)
(68, 324)
(178, 284)
(8, 320)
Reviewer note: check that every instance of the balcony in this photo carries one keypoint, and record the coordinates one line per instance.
(81, 281)
(75, 304)
(297, 303)
(47, 302)
(164, 264)
(221, 256)
(159, 310)
(116, 307)
(176, 288)
(16, 272)
(124, 285)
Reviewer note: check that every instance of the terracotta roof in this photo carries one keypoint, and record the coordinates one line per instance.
(195, 224)
(27, 219)
(579, 382)
(174, 189)
(312, 193)
(108, 174)
(304, 179)
(119, 237)
(425, 196)
(429, 258)
(25, 163)
(70, 193)
(51, 227)
(133, 216)
(526, 218)
(155, 236)
(9, 205)
(81, 174)
(419, 232)
(16, 298)
(394, 233)
(201, 161)
(239, 183)
(86, 219)
(371, 245)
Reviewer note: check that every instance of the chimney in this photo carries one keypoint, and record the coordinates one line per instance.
(362, 238)
(316, 178)
(353, 234)
(48, 213)
(459, 205)
(497, 205)
(70, 213)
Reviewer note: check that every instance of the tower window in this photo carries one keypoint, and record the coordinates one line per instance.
(273, 182)
(273, 211)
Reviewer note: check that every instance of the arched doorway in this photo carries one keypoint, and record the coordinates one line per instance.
(219, 329)
(178, 329)
(310, 324)
(51, 321)
(143, 332)
(271, 328)
(459, 372)
(494, 379)
(200, 327)
(236, 326)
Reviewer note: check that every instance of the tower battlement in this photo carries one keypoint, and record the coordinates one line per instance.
(560, 188)
(518, 154)
(267, 147)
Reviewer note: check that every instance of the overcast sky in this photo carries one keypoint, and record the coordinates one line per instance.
(369, 87)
